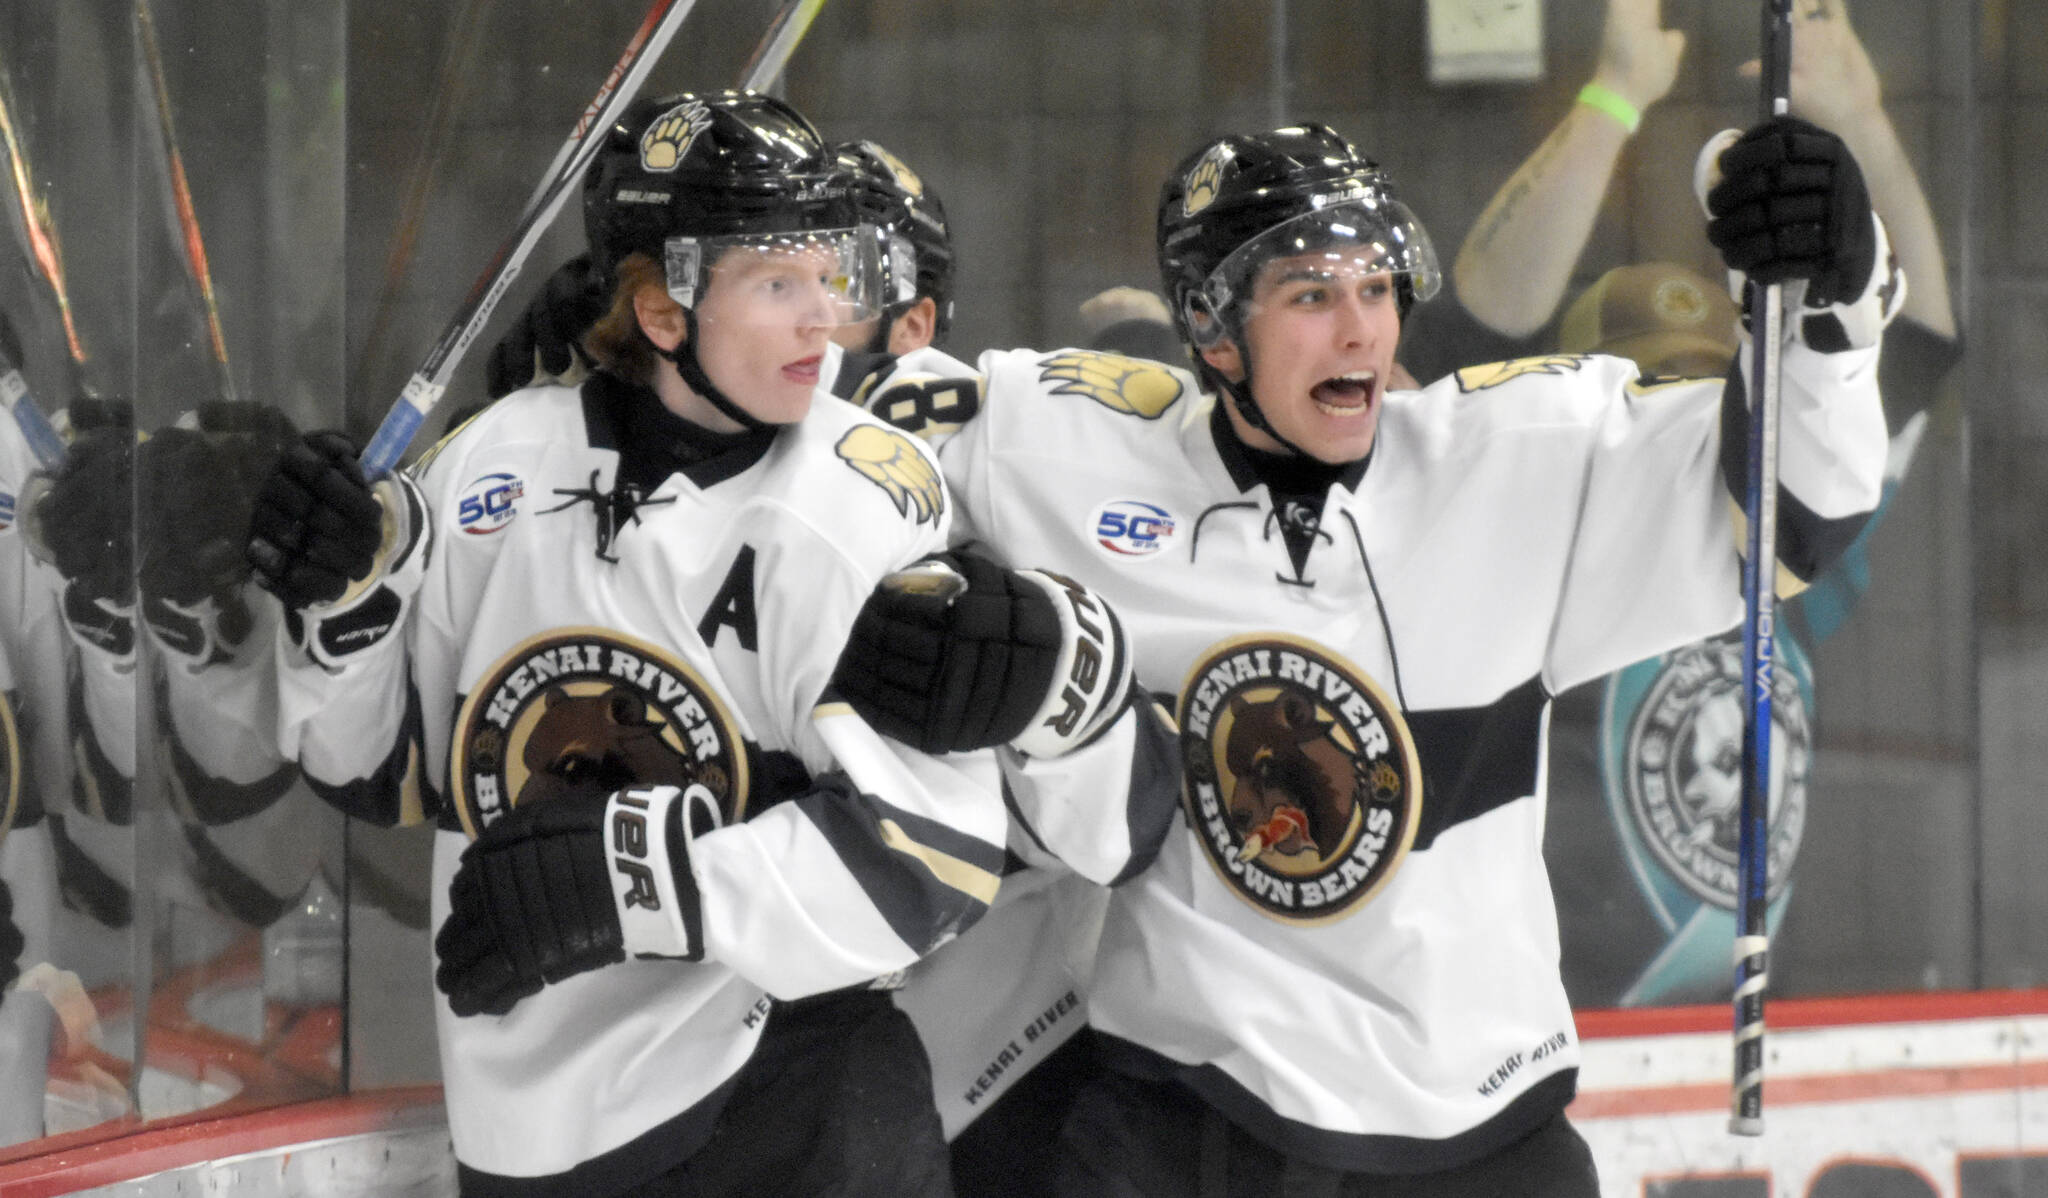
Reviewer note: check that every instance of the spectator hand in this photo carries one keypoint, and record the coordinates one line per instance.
(1833, 83)
(1639, 58)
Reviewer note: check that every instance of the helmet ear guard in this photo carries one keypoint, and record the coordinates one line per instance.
(1201, 319)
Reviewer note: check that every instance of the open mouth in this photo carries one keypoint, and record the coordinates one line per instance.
(804, 370)
(1347, 394)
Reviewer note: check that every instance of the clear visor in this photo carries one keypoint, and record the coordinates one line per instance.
(818, 277)
(1350, 241)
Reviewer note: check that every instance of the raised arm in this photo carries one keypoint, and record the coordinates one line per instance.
(1512, 271)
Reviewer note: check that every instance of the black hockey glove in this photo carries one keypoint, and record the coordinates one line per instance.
(11, 941)
(198, 494)
(1791, 204)
(83, 520)
(570, 884)
(960, 653)
(314, 525)
(544, 343)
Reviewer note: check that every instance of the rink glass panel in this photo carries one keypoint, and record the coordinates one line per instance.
(352, 167)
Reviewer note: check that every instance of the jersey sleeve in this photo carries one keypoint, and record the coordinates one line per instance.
(1105, 808)
(356, 728)
(1655, 558)
(893, 852)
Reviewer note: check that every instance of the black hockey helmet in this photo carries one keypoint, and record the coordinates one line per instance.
(690, 168)
(1244, 199)
(917, 244)
(687, 177)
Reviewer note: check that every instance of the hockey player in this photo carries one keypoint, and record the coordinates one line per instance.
(1341, 974)
(998, 1011)
(613, 611)
(914, 249)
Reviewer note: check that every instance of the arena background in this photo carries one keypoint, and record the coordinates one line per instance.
(353, 165)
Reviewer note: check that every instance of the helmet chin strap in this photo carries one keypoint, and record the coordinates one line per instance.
(1240, 394)
(684, 355)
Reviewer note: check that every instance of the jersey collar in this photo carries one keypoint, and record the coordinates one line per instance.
(1288, 473)
(654, 443)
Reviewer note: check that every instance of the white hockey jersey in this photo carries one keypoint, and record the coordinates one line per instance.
(993, 1005)
(589, 598)
(1348, 944)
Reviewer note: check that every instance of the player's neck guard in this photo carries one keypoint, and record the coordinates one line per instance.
(1284, 472)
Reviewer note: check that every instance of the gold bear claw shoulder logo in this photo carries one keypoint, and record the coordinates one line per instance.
(1494, 374)
(1301, 779)
(1132, 386)
(891, 460)
(669, 138)
(588, 711)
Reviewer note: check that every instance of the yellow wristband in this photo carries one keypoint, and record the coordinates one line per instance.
(1610, 102)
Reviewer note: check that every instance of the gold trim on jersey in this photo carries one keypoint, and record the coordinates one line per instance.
(10, 766)
(970, 880)
(1788, 584)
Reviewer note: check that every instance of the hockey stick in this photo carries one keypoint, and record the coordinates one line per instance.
(451, 87)
(428, 383)
(431, 380)
(765, 65)
(1759, 630)
(38, 240)
(183, 214)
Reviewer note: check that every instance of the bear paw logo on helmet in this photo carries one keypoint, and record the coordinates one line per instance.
(1129, 385)
(669, 138)
(1200, 189)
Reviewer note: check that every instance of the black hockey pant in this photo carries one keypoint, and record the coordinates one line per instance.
(835, 1103)
(1129, 1138)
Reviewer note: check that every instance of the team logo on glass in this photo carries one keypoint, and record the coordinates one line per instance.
(1683, 776)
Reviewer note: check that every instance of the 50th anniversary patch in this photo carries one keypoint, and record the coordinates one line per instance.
(1302, 782)
(591, 711)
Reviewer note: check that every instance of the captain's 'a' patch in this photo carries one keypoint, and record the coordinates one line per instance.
(1301, 779)
(891, 460)
(1479, 378)
(1132, 386)
(589, 711)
